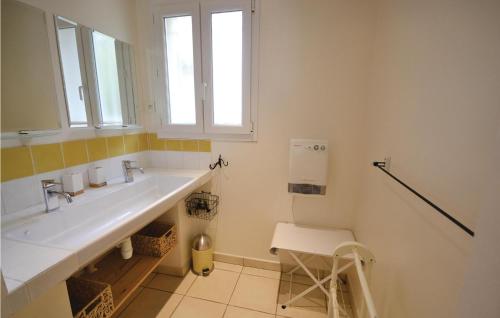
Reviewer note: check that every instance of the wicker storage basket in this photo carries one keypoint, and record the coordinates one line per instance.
(90, 299)
(156, 239)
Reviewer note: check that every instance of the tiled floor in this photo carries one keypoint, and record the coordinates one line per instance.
(231, 291)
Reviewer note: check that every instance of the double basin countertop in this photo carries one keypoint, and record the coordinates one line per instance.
(40, 250)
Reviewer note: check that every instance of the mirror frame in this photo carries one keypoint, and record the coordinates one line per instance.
(93, 106)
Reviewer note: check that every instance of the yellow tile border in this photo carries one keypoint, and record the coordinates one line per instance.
(205, 145)
(97, 149)
(47, 157)
(16, 163)
(156, 143)
(70, 153)
(190, 145)
(25, 161)
(116, 146)
(174, 144)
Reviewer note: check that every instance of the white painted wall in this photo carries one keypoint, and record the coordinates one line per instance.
(312, 75)
(112, 17)
(480, 294)
(313, 60)
(434, 106)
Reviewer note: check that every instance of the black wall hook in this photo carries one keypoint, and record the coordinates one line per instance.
(221, 163)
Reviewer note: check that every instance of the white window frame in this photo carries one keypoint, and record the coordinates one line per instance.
(83, 74)
(220, 6)
(202, 9)
(179, 10)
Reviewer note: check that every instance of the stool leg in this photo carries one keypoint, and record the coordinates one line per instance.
(306, 259)
(307, 291)
(316, 282)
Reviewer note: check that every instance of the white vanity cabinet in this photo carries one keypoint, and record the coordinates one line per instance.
(41, 251)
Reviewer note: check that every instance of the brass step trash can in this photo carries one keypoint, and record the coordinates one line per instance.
(203, 255)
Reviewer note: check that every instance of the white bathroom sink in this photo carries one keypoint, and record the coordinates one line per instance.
(39, 250)
(96, 212)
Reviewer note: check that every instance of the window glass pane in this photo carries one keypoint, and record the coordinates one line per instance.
(180, 70)
(107, 78)
(73, 86)
(227, 67)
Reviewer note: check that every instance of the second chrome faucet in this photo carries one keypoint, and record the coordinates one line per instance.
(127, 170)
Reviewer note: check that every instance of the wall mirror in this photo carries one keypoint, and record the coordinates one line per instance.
(29, 99)
(98, 75)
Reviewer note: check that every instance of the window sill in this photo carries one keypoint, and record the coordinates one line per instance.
(24, 134)
(14, 139)
(168, 134)
(117, 130)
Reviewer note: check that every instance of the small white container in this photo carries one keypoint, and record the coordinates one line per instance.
(96, 177)
(126, 249)
(73, 183)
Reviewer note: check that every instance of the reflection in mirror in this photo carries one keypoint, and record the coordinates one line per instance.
(107, 79)
(70, 48)
(126, 71)
(99, 76)
(28, 84)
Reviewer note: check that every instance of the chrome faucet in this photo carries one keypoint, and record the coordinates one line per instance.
(49, 193)
(127, 170)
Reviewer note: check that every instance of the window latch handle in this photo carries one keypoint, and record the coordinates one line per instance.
(81, 92)
(204, 87)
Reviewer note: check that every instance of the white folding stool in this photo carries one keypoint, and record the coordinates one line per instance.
(295, 239)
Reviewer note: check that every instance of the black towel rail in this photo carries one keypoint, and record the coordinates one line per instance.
(381, 165)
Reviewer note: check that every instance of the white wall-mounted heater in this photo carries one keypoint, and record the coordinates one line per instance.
(308, 167)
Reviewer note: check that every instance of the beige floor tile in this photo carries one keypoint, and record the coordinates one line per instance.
(315, 299)
(261, 272)
(236, 312)
(149, 303)
(170, 306)
(296, 312)
(312, 305)
(257, 293)
(173, 284)
(228, 267)
(301, 279)
(198, 308)
(218, 286)
(130, 299)
(148, 279)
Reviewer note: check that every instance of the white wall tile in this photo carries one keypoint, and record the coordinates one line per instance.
(146, 159)
(158, 159)
(191, 160)
(23, 193)
(20, 194)
(114, 168)
(2, 205)
(174, 159)
(205, 159)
